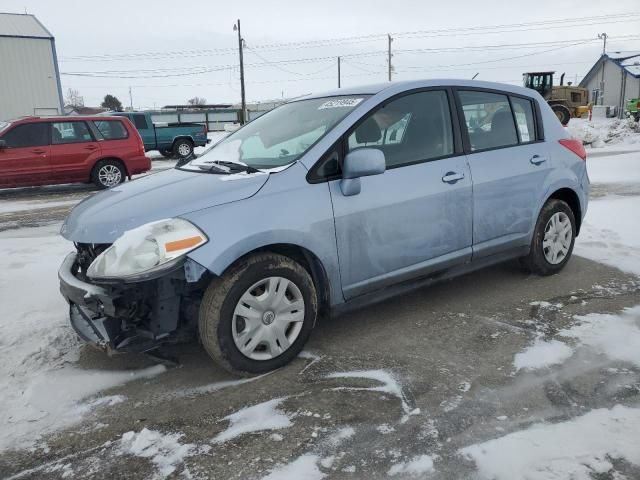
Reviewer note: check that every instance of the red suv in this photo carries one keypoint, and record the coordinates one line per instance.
(53, 150)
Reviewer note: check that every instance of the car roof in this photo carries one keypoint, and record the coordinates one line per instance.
(61, 118)
(412, 84)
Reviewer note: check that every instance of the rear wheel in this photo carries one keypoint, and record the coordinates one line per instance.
(562, 112)
(108, 173)
(183, 148)
(553, 239)
(258, 315)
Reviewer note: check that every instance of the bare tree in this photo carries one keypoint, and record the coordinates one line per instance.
(197, 101)
(73, 98)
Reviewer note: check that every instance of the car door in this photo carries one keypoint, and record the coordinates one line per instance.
(73, 147)
(25, 158)
(145, 130)
(415, 219)
(508, 166)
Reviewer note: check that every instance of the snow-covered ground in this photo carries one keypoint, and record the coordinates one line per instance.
(42, 389)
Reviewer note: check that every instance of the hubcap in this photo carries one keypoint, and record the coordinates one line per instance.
(268, 318)
(109, 175)
(184, 149)
(557, 238)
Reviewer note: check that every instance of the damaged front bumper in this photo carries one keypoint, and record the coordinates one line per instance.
(125, 318)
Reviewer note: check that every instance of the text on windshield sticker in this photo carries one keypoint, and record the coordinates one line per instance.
(340, 102)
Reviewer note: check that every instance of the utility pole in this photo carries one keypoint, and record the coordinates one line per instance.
(338, 72)
(389, 39)
(130, 100)
(603, 37)
(243, 104)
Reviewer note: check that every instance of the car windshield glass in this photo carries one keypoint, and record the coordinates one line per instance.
(279, 137)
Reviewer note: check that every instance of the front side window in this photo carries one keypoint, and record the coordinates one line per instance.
(523, 111)
(111, 129)
(27, 135)
(488, 119)
(410, 129)
(280, 136)
(70, 132)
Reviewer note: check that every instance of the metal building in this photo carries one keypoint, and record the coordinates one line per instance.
(29, 75)
(614, 79)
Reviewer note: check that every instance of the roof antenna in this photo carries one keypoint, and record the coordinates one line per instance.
(474, 77)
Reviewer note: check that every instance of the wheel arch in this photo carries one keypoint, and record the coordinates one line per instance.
(308, 260)
(572, 199)
(116, 159)
(182, 137)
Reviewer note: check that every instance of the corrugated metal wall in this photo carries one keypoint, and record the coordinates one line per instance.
(28, 84)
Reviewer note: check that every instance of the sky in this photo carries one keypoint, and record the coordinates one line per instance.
(170, 51)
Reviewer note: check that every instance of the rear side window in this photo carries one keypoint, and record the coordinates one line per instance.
(70, 132)
(410, 129)
(27, 135)
(523, 111)
(140, 122)
(488, 119)
(111, 129)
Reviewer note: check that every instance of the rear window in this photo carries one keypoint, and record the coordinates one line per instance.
(4, 125)
(70, 132)
(111, 129)
(489, 120)
(523, 110)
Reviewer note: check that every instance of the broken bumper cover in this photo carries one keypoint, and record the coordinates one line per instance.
(92, 313)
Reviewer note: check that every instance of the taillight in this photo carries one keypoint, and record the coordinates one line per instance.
(638, 105)
(140, 143)
(206, 129)
(575, 146)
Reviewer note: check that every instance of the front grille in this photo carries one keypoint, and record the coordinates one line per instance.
(87, 253)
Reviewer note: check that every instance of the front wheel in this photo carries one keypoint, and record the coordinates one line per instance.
(553, 239)
(108, 173)
(258, 315)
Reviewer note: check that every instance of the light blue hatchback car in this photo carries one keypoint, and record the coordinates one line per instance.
(324, 204)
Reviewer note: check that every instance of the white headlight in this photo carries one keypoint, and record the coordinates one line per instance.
(147, 248)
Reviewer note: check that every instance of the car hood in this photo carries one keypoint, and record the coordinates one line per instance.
(105, 216)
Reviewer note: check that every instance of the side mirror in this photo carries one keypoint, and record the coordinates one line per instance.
(3, 144)
(363, 162)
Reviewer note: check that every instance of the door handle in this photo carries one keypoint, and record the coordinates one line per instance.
(537, 159)
(452, 177)
(90, 147)
(39, 151)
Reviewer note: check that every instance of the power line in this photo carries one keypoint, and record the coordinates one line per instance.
(165, 73)
(487, 29)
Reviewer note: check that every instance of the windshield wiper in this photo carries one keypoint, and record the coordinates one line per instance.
(227, 168)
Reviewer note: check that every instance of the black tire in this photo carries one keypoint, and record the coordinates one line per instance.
(562, 112)
(166, 153)
(106, 169)
(220, 300)
(536, 262)
(183, 148)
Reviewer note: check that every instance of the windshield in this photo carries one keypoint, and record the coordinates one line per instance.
(280, 136)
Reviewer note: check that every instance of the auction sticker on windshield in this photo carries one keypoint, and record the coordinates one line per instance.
(340, 102)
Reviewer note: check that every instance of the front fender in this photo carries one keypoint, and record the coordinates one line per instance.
(287, 210)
